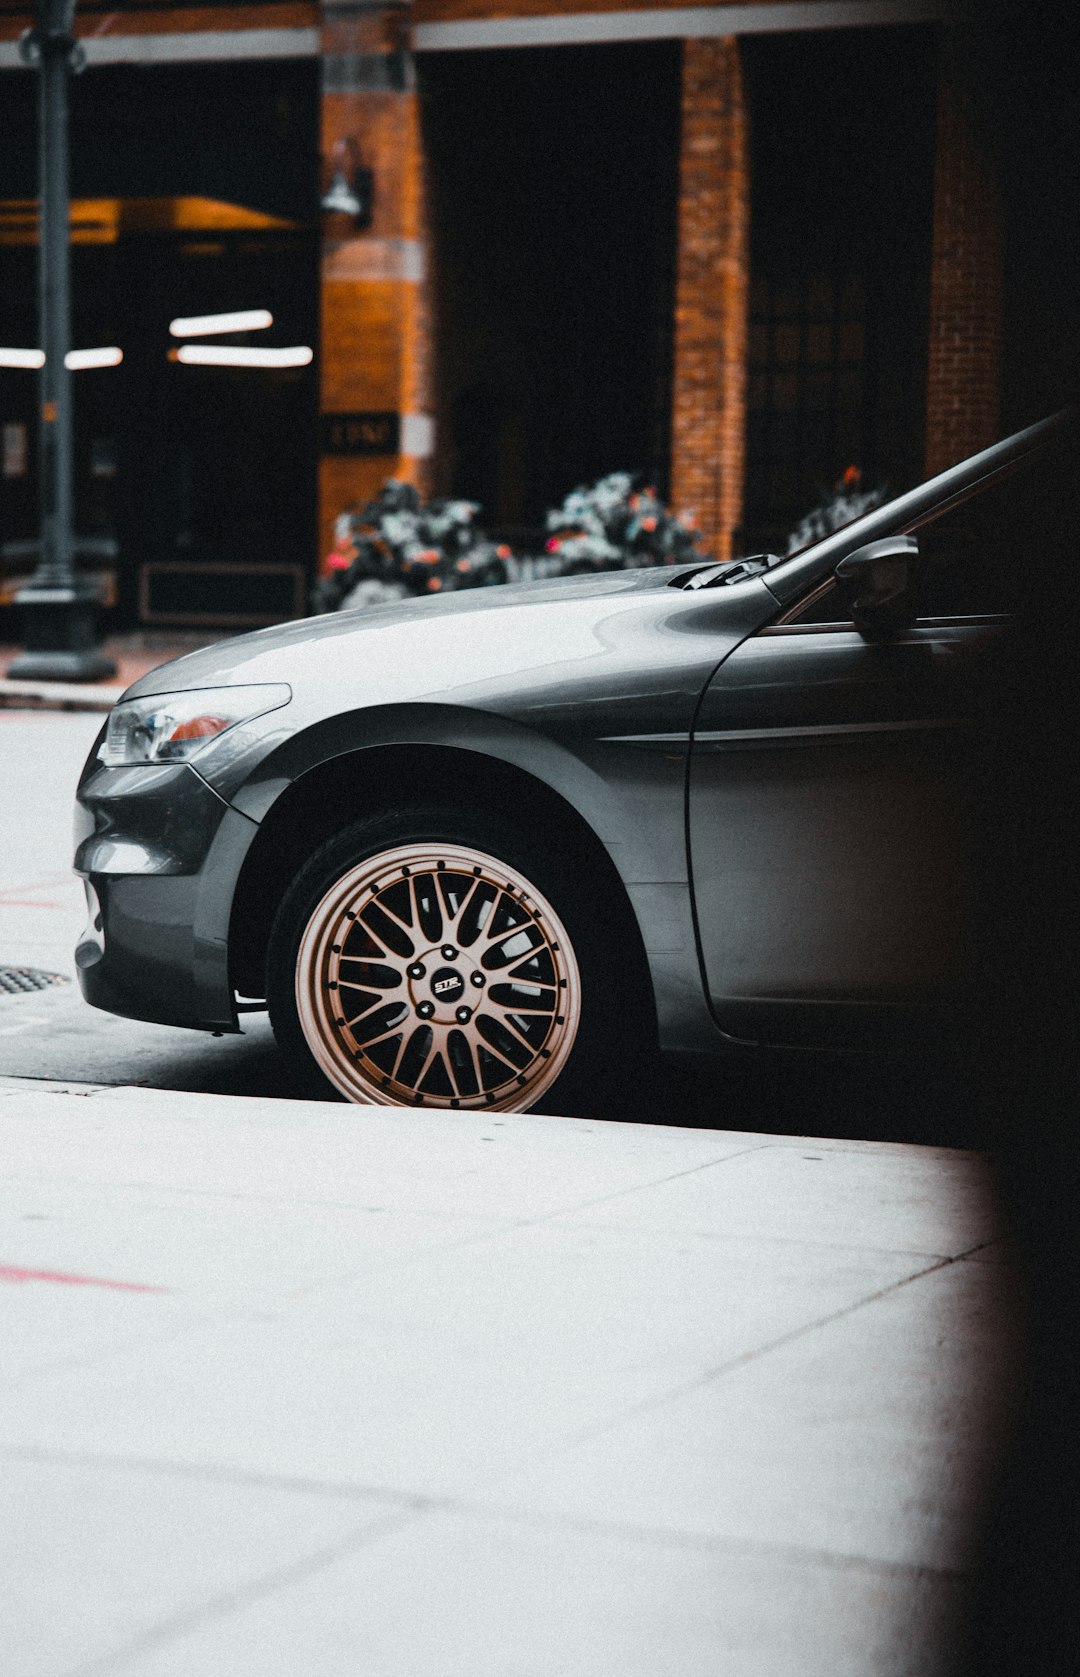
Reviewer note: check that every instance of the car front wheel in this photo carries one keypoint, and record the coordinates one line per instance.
(429, 958)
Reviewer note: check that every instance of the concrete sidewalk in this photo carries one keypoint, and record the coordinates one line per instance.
(302, 1390)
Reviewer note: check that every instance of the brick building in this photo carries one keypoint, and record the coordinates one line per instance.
(737, 247)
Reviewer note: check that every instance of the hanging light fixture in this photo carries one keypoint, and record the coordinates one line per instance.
(351, 188)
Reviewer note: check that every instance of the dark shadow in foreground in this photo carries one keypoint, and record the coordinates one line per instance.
(1025, 1030)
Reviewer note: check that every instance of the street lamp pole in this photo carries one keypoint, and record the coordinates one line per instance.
(57, 611)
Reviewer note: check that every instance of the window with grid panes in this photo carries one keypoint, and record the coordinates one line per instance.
(806, 399)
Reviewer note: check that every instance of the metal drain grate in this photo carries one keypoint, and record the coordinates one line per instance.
(18, 981)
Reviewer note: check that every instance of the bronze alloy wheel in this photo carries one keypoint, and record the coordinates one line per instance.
(432, 974)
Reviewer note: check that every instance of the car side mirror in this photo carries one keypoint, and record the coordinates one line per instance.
(879, 583)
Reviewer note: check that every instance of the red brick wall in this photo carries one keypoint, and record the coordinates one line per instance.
(963, 397)
(375, 322)
(709, 374)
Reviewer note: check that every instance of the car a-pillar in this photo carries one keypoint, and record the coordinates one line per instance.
(374, 384)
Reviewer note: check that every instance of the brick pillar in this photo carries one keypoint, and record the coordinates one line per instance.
(963, 395)
(376, 324)
(708, 421)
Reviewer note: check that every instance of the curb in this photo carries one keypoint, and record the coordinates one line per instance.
(54, 695)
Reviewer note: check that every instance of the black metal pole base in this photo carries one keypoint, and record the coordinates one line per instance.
(59, 636)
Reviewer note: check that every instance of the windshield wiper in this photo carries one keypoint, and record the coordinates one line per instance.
(732, 571)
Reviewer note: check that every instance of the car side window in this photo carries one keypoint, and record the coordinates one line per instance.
(824, 605)
(975, 557)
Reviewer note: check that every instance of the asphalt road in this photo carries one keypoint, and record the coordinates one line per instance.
(52, 1034)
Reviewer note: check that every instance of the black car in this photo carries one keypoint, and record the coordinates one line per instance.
(491, 849)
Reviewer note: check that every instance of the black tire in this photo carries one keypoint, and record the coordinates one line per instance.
(581, 932)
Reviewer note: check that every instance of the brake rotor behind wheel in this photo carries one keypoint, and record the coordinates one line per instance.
(433, 974)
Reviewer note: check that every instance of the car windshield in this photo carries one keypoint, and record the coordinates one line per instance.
(917, 507)
(813, 540)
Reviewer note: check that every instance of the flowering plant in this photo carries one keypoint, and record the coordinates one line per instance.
(613, 526)
(846, 500)
(395, 546)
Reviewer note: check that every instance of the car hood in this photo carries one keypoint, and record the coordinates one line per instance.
(426, 647)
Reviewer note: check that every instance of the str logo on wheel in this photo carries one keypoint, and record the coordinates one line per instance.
(447, 985)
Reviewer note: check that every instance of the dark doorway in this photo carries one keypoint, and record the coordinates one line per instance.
(553, 197)
(218, 462)
(842, 136)
(195, 191)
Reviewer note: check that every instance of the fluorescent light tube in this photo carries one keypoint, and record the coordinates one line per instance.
(240, 320)
(76, 360)
(80, 360)
(226, 355)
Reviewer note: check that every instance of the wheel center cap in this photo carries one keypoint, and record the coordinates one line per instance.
(447, 986)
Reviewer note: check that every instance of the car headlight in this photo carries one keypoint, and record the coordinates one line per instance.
(172, 727)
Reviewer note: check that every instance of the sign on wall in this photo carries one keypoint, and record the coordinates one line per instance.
(360, 433)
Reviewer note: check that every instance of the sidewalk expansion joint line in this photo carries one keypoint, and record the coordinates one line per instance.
(661, 1400)
(743, 1239)
(408, 1503)
(213, 1473)
(176, 1626)
(672, 1538)
(504, 1226)
(635, 1188)
(1002, 1240)
(502, 1230)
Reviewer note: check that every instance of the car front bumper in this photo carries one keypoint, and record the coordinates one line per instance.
(159, 853)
